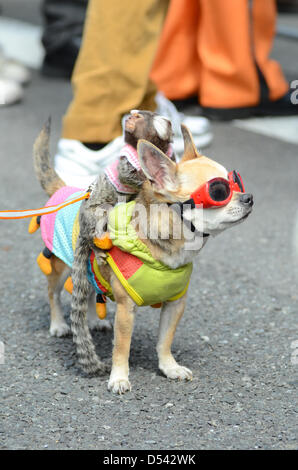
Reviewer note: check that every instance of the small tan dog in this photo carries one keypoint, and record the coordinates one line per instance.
(195, 180)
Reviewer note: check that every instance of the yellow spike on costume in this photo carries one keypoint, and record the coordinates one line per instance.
(104, 242)
(33, 226)
(68, 285)
(101, 310)
(44, 264)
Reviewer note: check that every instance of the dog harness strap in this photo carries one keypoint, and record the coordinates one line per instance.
(124, 281)
(100, 285)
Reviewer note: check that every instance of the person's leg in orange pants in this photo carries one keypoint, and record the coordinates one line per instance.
(219, 51)
(176, 68)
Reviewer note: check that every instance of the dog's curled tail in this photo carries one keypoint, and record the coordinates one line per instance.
(45, 173)
(87, 356)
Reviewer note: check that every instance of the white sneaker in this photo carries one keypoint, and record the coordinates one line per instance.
(199, 126)
(12, 70)
(10, 92)
(79, 166)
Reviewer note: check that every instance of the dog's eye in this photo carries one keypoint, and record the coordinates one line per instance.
(219, 190)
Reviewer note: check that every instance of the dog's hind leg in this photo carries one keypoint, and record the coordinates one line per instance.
(93, 321)
(170, 316)
(56, 281)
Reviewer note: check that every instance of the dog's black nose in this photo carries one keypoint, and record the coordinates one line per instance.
(247, 199)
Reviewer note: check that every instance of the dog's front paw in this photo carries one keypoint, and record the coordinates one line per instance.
(119, 385)
(177, 372)
(59, 329)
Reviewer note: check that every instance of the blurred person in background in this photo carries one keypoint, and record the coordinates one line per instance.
(111, 77)
(13, 77)
(216, 51)
(224, 59)
(62, 35)
(287, 6)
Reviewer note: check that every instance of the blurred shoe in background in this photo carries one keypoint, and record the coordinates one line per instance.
(12, 70)
(13, 76)
(281, 107)
(77, 165)
(10, 92)
(199, 126)
(287, 6)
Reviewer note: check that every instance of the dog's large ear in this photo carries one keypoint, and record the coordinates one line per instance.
(157, 167)
(190, 151)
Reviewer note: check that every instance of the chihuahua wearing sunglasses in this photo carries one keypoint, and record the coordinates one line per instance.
(196, 181)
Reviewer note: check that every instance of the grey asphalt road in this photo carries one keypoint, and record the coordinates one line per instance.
(243, 297)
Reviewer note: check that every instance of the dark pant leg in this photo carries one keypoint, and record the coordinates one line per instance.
(63, 29)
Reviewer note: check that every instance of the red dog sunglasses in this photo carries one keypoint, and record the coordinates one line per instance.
(218, 191)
